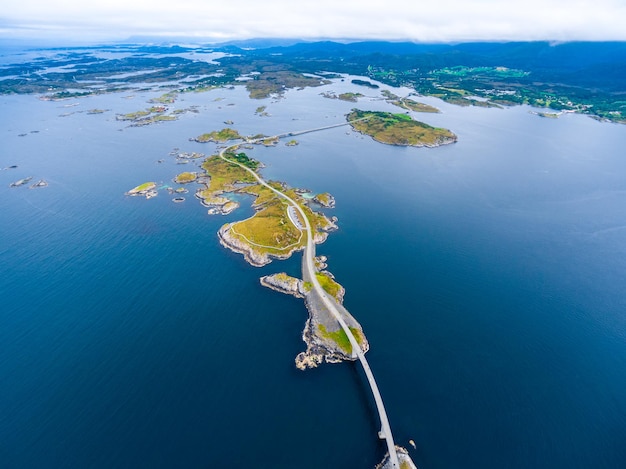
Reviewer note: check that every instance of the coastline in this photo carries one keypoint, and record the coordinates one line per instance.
(251, 255)
(320, 329)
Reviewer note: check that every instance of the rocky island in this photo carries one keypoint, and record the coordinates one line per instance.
(407, 103)
(219, 136)
(147, 190)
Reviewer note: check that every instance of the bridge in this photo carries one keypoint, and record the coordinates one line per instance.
(308, 274)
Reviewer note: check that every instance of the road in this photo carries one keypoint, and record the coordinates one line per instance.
(308, 272)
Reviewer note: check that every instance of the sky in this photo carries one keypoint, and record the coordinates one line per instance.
(219, 20)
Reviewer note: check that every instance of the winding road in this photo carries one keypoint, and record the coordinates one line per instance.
(308, 272)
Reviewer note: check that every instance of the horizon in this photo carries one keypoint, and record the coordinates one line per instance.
(450, 21)
(259, 42)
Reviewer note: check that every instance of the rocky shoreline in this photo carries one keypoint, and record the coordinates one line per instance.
(325, 200)
(319, 349)
(283, 283)
(252, 256)
(403, 457)
(439, 142)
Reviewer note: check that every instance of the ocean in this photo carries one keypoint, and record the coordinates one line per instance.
(487, 275)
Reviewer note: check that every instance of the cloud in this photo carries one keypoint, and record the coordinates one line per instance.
(443, 20)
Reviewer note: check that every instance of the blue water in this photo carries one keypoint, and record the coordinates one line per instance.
(491, 291)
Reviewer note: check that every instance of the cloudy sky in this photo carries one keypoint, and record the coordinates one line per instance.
(416, 20)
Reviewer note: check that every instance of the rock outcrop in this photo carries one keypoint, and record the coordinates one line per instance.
(283, 283)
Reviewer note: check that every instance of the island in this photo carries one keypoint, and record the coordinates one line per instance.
(149, 116)
(349, 96)
(407, 103)
(147, 190)
(325, 199)
(219, 136)
(185, 178)
(369, 84)
(398, 129)
(266, 84)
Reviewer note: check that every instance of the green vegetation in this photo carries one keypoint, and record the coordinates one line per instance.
(462, 71)
(276, 82)
(133, 115)
(243, 159)
(186, 177)
(325, 199)
(399, 129)
(329, 285)
(365, 83)
(551, 115)
(167, 98)
(220, 136)
(160, 119)
(292, 143)
(414, 105)
(224, 176)
(341, 338)
(270, 141)
(351, 97)
(585, 78)
(157, 109)
(146, 186)
(149, 116)
(269, 229)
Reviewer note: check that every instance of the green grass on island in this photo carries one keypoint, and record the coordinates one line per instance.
(219, 136)
(270, 141)
(133, 115)
(186, 177)
(146, 186)
(399, 129)
(167, 98)
(350, 97)
(149, 116)
(223, 176)
(341, 338)
(269, 230)
(414, 105)
(328, 284)
(325, 199)
(243, 159)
